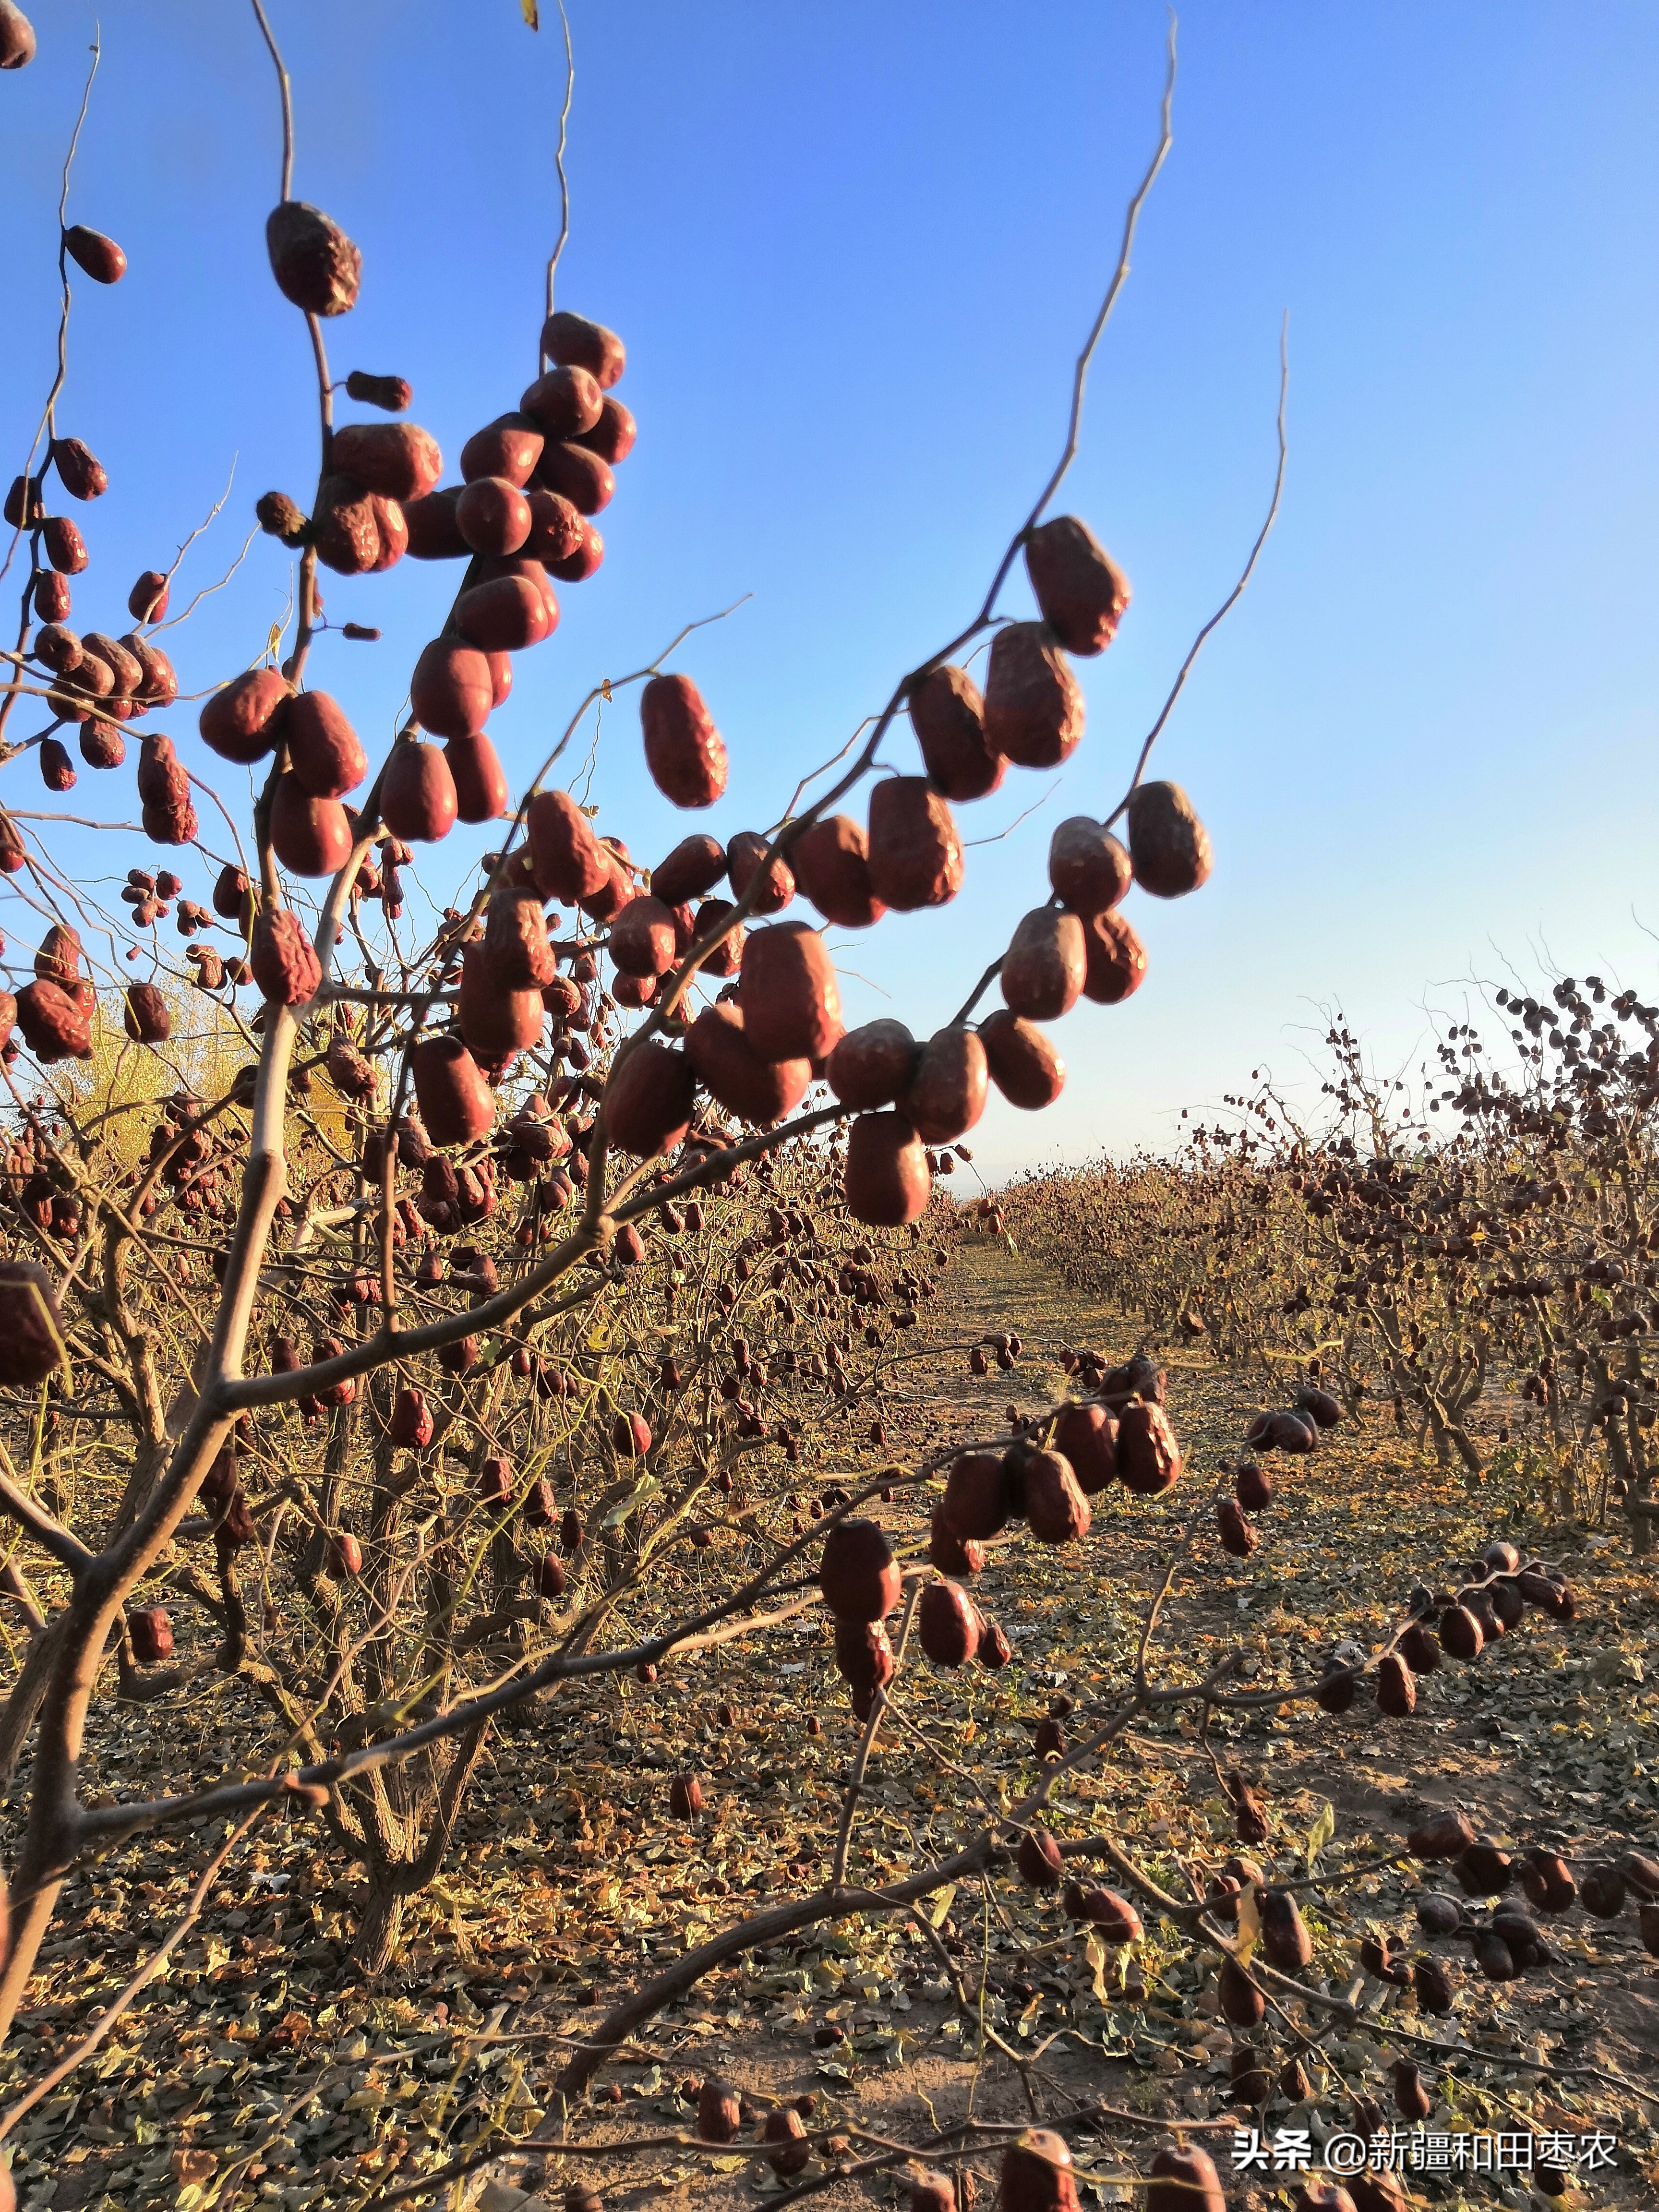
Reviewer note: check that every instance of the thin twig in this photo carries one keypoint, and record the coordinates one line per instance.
(558, 163)
(286, 90)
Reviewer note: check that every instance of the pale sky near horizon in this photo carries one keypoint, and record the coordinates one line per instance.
(853, 253)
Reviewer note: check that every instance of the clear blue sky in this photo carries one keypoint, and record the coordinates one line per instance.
(851, 251)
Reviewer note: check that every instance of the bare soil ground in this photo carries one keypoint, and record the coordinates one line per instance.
(259, 2069)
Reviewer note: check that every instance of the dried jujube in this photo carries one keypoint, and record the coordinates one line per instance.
(310, 836)
(452, 691)
(569, 861)
(1034, 710)
(101, 744)
(151, 1628)
(612, 437)
(391, 393)
(643, 938)
(563, 403)
(916, 856)
(948, 715)
(1548, 1881)
(64, 546)
(507, 614)
(649, 1100)
(1022, 1063)
(719, 2108)
(1036, 2174)
(858, 1574)
(1086, 1436)
(1184, 2179)
(695, 865)
(945, 1095)
(509, 448)
(1433, 1985)
(1461, 1632)
(870, 1065)
(493, 516)
(1115, 959)
(746, 864)
(831, 861)
(33, 1344)
(684, 1797)
(411, 1424)
(1038, 1859)
(574, 342)
(976, 1503)
(323, 748)
(315, 264)
(16, 51)
(1044, 967)
(1285, 1942)
(586, 554)
(53, 597)
(1080, 588)
(630, 1435)
(1243, 2003)
(785, 2129)
(496, 1021)
(418, 792)
(125, 668)
(887, 1180)
(1168, 845)
(734, 1073)
(1396, 1687)
(357, 532)
(101, 257)
(398, 460)
(434, 531)
(80, 471)
(1148, 1456)
(1088, 869)
(577, 474)
(56, 770)
(147, 602)
(480, 781)
(1483, 1870)
(864, 1658)
(284, 964)
(684, 752)
(948, 1625)
(1056, 1510)
(787, 991)
(456, 1102)
(1442, 1836)
(1237, 1537)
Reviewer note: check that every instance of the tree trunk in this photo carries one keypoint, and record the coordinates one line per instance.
(375, 1946)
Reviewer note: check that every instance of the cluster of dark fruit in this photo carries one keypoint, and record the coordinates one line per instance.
(1091, 1445)
(1295, 1429)
(1465, 1620)
(41, 1186)
(55, 1013)
(95, 681)
(759, 1048)
(532, 479)
(723, 2111)
(1508, 1943)
(1036, 2175)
